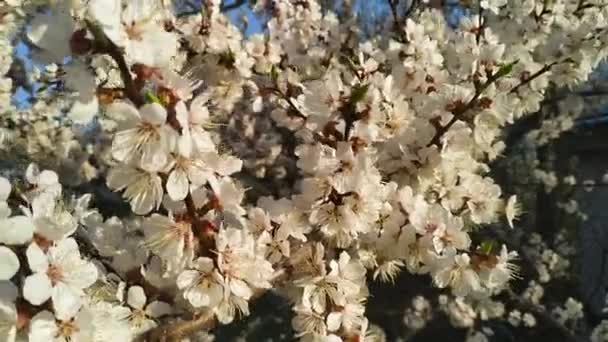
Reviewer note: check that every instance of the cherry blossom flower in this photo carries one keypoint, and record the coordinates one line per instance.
(203, 286)
(9, 264)
(136, 28)
(143, 189)
(60, 274)
(143, 314)
(143, 136)
(173, 241)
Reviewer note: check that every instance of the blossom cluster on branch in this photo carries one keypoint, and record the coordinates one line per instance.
(391, 138)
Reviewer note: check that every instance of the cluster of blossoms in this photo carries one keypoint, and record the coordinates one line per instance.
(392, 138)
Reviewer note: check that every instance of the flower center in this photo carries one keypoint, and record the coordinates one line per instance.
(138, 317)
(133, 32)
(55, 273)
(67, 329)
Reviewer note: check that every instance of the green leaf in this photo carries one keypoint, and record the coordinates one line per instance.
(487, 247)
(274, 74)
(150, 97)
(358, 93)
(505, 69)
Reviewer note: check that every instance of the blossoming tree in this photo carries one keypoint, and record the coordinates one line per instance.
(375, 162)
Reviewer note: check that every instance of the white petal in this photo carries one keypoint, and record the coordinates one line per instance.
(138, 10)
(178, 185)
(334, 320)
(43, 205)
(66, 301)
(149, 198)
(31, 173)
(37, 288)
(64, 249)
(82, 112)
(181, 114)
(57, 227)
(258, 104)
(9, 263)
(158, 309)
(154, 157)
(216, 294)
(120, 292)
(124, 113)
(5, 188)
(240, 288)
(43, 327)
(205, 264)
(47, 178)
(82, 276)
(136, 297)
(121, 177)
(153, 113)
(156, 47)
(184, 144)
(17, 230)
(197, 297)
(36, 258)
(107, 13)
(5, 211)
(187, 278)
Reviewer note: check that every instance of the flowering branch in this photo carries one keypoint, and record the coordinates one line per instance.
(461, 109)
(369, 198)
(532, 77)
(105, 46)
(175, 332)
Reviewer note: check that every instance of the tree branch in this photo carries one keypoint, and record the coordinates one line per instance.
(535, 75)
(106, 46)
(461, 110)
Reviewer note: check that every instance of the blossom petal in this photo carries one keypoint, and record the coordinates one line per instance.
(240, 288)
(5, 189)
(153, 113)
(158, 309)
(334, 320)
(43, 327)
(9, 263)
(16, 230)
(36, 258)
(136, 297)
(66, 301)
(187, 278)
(37, 288)
(178, 185)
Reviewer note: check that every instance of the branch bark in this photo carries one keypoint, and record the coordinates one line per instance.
(105, 46)
(535, 75)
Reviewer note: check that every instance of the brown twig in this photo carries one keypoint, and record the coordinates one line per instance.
(535, 75)
(461, 110)
(398, 22)
(104, 45)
